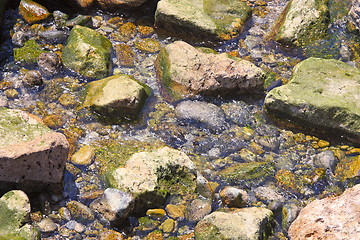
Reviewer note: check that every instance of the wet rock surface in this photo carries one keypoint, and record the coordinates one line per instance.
(32, 155)
(183, 67)
(320, 99)
(333, 217)
(238, 147)
(87, 52)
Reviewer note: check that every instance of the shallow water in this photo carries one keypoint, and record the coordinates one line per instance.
(247, 136)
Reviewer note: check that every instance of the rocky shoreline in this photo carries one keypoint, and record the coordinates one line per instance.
(153, 120)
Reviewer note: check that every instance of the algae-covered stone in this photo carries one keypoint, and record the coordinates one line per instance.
(148, 45)
(202, 19)
(30, 52)
(246, 223)
(303, 21)
(323, 94)
(247, 171)
(32, 12)
(31, 155)
(87, 52)
(14, 212)
(125, 55)
(150, 176)
(116, 97)
(348, 168)
(185, 70)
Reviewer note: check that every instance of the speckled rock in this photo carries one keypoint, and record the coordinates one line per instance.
(204, 112)
(14, 213)
(304, 21)
(116, 97)
(30, 153)
(330, 218)
(49, 63)
(32, 12)
(114, 205)
(185, 70)
(246, 223)
(87, 52)
(125, 55)
(80, 212)
(202, 19)
(32, 79)
(150, 176)
(326, 160)
(316, 98)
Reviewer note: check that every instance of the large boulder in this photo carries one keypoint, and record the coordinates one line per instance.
(151, 176)
(202, 20)
(14, 213)
(31, 155)
(247, 223)
(116, 97)
(87, 52)
(323, 94)
(185, 70)
(303, 21)
(330, 218)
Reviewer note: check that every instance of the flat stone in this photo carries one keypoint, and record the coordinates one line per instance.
(118, 96)
(84, 156)
(202, 20)
(322, 94)
(329, 218)
(245, 223)
(32, 156)
(185, 70)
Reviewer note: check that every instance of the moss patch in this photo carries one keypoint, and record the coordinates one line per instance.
(30, 52)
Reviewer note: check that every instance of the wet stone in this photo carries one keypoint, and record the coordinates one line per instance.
(46, 225)
(197, 210)
(32, 79)
(148, 45)
(157, 214)
(84, 156)
(233, 197)
(30, 52)
(49, 63)
(11, 93)
(175, 212)
(80, 212)
(32, 12)
(125, 55)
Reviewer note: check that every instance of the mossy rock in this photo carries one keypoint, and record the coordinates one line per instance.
(348, 168)
(302, 22)
(87, 52)
(247, 171)
(202, 19)
(323, 95)
(29, 53)
(117, 97)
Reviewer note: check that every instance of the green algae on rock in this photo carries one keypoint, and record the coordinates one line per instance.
(251, 223)
(32, 12)
(30, 52)
(116, 97)
(323, 94)
(148, 45)
(151, 176)
(303, 21)
(247, 171)
(87, 52)
(202, 19)
(31, 155)
(14, 212)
